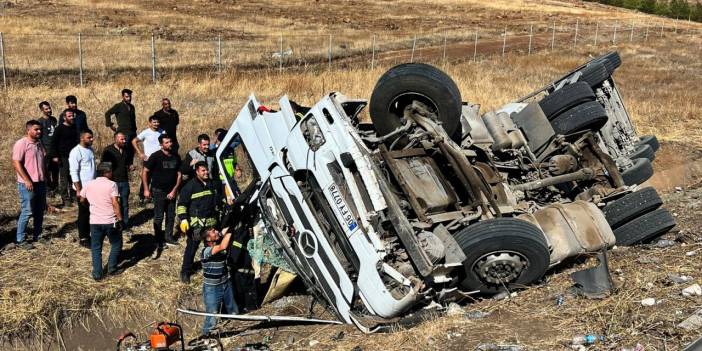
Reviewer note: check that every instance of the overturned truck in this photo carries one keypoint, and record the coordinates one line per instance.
(434, 200)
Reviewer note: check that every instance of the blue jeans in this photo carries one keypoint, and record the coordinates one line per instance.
(32, 204)
(123, 189)
(98, 232)
(217, 297)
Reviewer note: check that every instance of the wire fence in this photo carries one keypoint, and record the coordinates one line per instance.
(80, 58)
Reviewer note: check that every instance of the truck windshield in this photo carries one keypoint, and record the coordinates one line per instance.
(238, 171)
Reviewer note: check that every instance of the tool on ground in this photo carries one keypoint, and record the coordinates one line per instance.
(166, 336)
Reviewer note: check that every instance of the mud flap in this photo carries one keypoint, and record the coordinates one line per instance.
(596, 282)
(279, 284)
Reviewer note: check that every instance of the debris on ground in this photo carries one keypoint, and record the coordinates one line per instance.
(692, 290)
(694, 322)
(454, 309)
(587, 339)
(476, 314)
(663, 243)
(496, 347)
(648, 301)
(679, 279)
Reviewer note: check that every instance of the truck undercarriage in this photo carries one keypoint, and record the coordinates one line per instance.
(433, 201)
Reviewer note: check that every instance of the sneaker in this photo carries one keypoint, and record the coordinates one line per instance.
(25, 245)
(115, 272)
(97, 279)
(172, 242)
(129, 235)
(157, 252)
(185, 278)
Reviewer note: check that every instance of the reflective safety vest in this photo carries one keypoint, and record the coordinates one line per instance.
(198, 203)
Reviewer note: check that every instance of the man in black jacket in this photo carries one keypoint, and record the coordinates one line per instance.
(116, 155)
(80, 120)
(125, 116)
(64, 140)
(197, 209)
(48, 126)
(169, 119)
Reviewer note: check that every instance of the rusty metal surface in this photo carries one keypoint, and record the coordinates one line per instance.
(571, 229)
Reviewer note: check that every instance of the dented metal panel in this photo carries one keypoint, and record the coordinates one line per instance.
(572, 229)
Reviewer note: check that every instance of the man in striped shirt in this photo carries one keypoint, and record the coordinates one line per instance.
(217, 293)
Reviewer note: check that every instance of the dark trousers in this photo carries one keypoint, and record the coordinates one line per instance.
(191, 246)
(163, 207)
(123, 189)
(98, 232)
(83, 222)
(128, 148)
(52, 176)
(65, 185)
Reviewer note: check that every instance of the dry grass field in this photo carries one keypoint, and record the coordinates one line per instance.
(47, 291)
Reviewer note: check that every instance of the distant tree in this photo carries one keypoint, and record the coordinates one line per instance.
(647, 6)
(662, 8)
(631, 4)
(697, 12)
(679, 9)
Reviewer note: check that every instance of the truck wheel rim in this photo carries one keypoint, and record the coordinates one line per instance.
(500, 267)
(398, 104)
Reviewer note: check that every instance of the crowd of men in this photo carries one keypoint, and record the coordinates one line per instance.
(56, 157)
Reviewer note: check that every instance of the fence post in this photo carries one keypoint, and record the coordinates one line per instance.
(80, 59)
(330, 50)
(373, 54)
(153, 58)
(646, 35)
(444, 56)
(675, 28)
(597, 29)
(504, 42)
(280, 59)
(475, 47)
(2, 53)
(614, 36)
(219, 54)
(531, 34)
(553, 36)
(661, 31)
(414, 45)
(575, 37)
(631, 34)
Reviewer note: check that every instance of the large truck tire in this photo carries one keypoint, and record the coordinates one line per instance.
(502, 253)
(645, 228)
(402, 84)
(594, 74)
(611, 61)
(651, 141)
(630, 206)
(643, 151)
(566, 98)
(588, 116)
(640, 172)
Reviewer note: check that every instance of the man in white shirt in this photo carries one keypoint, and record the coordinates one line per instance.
(148, 137)
(81, 162)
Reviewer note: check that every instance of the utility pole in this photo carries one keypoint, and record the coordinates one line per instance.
(553, 36)
(80, 59)
(531, 35)
(575, 37)
(414, 45)
(373, 54)
(219, 54)
(597, 28)
(2, 53)
(475, 46)
(153, 58)
(504, 42)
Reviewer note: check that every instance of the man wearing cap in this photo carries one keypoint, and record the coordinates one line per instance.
(105, 219)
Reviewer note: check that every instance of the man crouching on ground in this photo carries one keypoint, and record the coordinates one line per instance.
(217, 290)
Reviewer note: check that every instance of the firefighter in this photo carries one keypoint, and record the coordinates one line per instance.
(197, 209)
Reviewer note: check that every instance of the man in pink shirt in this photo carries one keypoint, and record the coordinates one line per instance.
(105, 219)
(28, 161)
